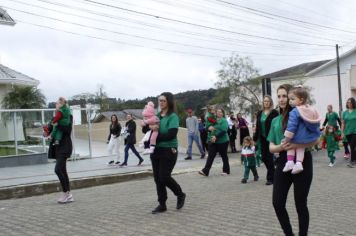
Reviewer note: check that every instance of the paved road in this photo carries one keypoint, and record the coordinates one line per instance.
(216, 205)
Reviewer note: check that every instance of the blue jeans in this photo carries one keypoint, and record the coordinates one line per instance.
(132, 147)
(194, 137)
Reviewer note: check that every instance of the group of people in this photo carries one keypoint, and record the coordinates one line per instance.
(283, 137)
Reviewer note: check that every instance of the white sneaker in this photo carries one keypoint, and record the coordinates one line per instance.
(146, 152)
(69, 197)
(298, 167)
(331, 164)
(151, 150)
(289, 166)
(62, 199)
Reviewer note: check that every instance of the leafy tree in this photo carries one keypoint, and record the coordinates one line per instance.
(24, 97)
(241, 81)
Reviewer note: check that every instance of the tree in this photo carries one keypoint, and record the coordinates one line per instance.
(241, 80)
(24, 97)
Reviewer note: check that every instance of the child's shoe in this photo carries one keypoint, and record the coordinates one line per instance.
(244, 181)
(331, 164)
(151, 150)
(146, 151)
(298, 167)
(289, 166)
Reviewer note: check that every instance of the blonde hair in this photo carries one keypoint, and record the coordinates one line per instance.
(248, 139)
(62, 101)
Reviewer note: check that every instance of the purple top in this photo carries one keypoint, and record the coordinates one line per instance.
(242, 123)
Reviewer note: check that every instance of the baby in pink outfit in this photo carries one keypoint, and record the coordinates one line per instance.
(150, 118)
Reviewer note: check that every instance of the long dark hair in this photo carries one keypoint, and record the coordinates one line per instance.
(285, 112)
(353, 103)
(116, 122)
(170, 102)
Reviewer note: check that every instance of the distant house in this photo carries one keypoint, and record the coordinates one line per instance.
(321, 76)
(9, 78)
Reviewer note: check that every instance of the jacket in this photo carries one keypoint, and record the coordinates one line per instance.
(65, 147)
(131, 130)
(257, 135)
(303, 125)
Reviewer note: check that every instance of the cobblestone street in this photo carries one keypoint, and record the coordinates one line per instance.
(217, 205)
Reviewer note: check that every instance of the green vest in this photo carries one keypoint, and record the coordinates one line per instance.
(168, 122)
(350, 122)
(65, 120)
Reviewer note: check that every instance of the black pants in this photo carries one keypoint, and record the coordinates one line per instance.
(215, 148)
(351, 138)
(346, 146)
(301, 182)
(267, 158)
(61, 171)
(163, 161)
(132, 147)
(243, 133)
(203, 138)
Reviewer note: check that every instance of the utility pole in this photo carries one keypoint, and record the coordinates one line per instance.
(338, 79)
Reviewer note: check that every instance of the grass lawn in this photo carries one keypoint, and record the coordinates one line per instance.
(6, 151)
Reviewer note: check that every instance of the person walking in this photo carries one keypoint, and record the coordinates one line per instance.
(193, 134)
(263, 124)
(349, 128)
(249, 159)
(203, 134)
(130, 140)
(283, 180)
(113, 139)
(165, 154)
(61, 152)
(243, 127)
(218, 143)
(232, 132)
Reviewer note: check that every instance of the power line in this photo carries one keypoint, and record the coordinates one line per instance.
(283, 17)
(133, 44)
(170, 28)
(146, 38)
(99, 20)
(206, 27)
(200, 8)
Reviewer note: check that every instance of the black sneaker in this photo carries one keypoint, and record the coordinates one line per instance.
(111, 162)
(117, 163)
(269, 183)
(159, 209)
(188, 158)
(255, 178)
(140, 162)
(202, 156)
(180, 201)
(244, 181)
(123, 164)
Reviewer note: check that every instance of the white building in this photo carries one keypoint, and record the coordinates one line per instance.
(9, 78)
(321, 76)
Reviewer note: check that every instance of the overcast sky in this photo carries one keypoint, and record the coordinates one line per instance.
(139, 55)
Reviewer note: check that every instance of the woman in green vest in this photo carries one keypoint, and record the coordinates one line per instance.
(349, 128)
(218, 140)
(283, 180)
(263, 123)
(165, 154)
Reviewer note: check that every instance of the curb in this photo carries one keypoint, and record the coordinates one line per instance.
(29, 190)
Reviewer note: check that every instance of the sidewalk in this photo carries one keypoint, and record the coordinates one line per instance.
(24, 181)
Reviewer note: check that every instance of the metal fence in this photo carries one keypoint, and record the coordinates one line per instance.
(21, 131)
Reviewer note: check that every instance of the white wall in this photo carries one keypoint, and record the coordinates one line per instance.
(345, 64)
